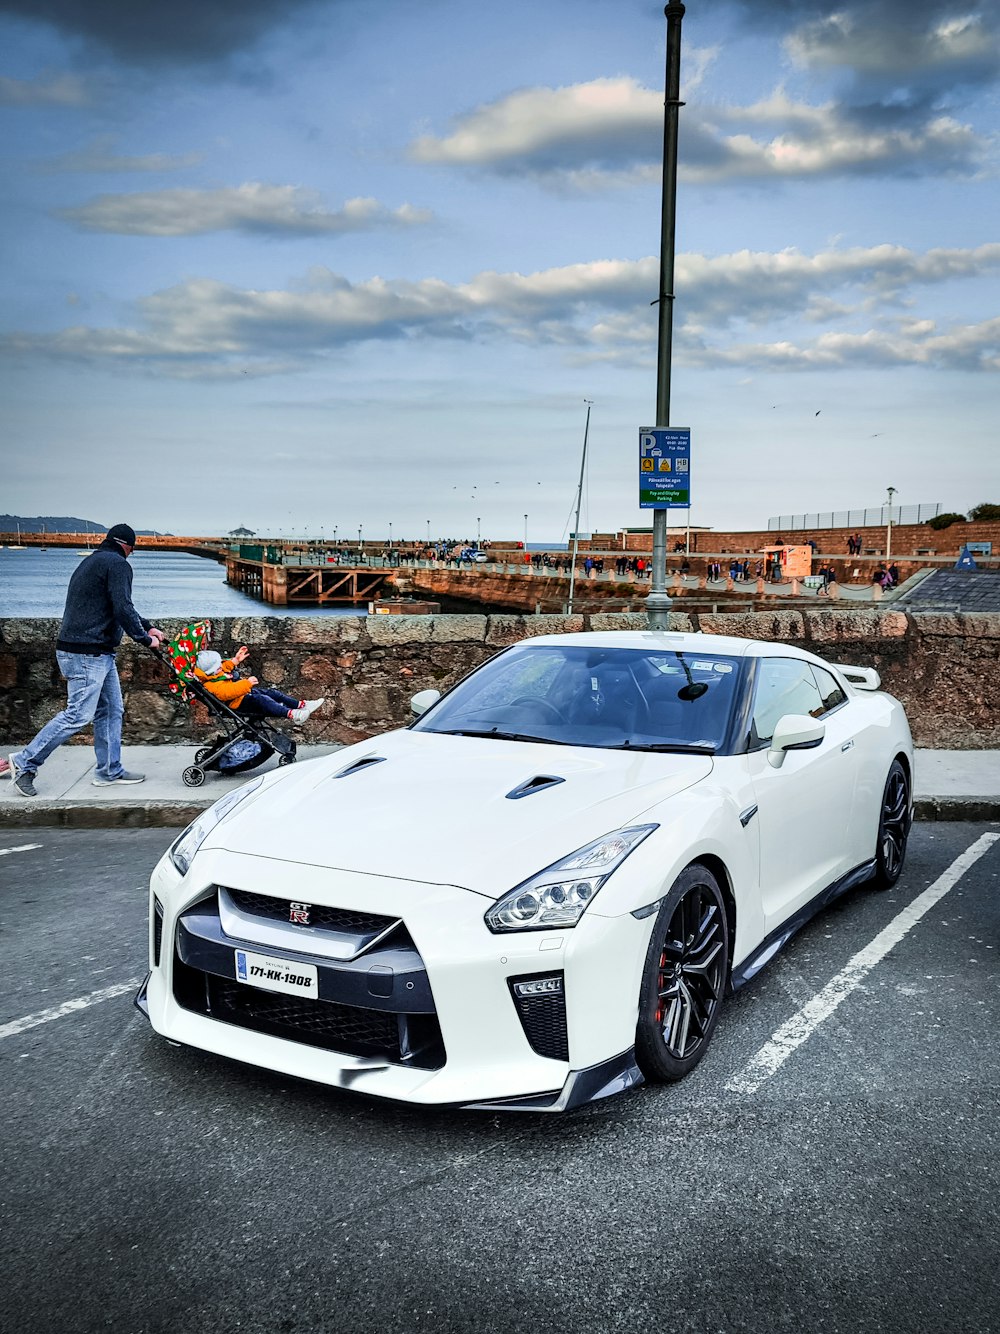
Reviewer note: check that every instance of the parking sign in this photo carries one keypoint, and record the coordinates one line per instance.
(664, 467)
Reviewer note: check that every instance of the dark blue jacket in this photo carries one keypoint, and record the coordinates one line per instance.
(99, 604)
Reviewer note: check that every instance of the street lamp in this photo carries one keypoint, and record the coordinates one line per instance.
(888, 527)
(477, 533)
(360, 543)
(526, 532)
(390, 534)
(657, 601)
(428, 532)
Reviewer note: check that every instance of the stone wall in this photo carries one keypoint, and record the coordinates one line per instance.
(942, 666)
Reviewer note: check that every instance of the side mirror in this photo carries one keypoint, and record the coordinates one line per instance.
(423, 700)
(794, 731)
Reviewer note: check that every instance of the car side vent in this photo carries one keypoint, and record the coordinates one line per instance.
(365, 762)
(533, 785)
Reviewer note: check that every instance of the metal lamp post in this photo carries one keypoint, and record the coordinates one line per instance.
(360, 543)
(888, 527)
(478, 543)
(657, 602)
(390, 534)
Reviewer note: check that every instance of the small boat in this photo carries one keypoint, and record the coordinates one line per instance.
(18, 546)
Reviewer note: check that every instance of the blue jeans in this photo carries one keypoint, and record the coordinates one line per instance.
(266, 702)
(95, 696)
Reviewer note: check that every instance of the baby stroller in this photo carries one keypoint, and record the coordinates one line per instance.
(243, 743)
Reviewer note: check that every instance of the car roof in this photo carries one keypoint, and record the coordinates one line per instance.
(663, 639)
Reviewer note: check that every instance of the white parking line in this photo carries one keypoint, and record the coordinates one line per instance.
(25, 847)
(69, 1007)
(796, 1030)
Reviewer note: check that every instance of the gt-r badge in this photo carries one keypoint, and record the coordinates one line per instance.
(299, 913)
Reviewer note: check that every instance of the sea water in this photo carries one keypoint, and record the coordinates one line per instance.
(171, 585)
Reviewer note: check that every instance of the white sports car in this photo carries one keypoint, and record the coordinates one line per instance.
(539, 893)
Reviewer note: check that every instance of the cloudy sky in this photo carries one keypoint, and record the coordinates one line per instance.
(304, 263)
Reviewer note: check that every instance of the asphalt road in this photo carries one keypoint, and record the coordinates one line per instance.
(150, 1188)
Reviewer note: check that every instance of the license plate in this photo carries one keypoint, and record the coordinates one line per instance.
(270, 974)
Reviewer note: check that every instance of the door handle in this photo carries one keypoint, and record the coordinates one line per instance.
(847, 745)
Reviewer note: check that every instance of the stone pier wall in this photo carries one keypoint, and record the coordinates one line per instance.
(943, 667)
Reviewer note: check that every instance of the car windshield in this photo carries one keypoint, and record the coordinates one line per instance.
(573, 695)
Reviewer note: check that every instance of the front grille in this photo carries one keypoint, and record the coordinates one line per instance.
(543, 1019)
(320, 1023)
(348, 1029)
(333, 919)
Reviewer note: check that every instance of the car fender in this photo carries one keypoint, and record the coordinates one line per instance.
(703, 822)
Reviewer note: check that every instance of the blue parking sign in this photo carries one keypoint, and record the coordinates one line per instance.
(664, 467)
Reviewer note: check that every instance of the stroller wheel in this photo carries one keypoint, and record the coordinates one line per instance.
(193, 776)
(285, 759)
(200, 756)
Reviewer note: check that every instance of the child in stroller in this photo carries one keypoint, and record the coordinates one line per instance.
(246, 740)
(248, 695)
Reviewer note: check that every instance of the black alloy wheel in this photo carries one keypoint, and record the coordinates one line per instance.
(684, 978)
(893, 828)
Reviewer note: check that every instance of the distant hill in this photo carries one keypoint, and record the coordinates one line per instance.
(62, 523)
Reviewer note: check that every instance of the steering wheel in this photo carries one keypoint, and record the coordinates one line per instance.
(545, 705)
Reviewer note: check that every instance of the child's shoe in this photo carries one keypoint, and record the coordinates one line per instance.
(303, 714)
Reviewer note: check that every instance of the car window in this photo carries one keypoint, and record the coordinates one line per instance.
(596, 696)
(784, 685)
(831, 693)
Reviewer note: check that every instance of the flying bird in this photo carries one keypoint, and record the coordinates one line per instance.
(816, 414)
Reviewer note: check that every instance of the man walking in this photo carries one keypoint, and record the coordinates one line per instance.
(98, 608)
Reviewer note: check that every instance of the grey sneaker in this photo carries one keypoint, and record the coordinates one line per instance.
(123, 777)
(22, 780)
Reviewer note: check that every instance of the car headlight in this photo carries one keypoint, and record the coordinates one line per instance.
(183, 851)
(559, 895)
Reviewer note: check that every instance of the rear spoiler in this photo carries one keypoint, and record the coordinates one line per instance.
(861, 678)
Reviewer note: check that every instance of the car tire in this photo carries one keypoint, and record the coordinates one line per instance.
(684, 977)
(893, 828)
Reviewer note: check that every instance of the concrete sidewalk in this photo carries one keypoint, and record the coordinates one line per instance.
(66, 795)
(950, 785)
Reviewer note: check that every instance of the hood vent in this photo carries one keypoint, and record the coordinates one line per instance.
(365, 762)
(533, 785)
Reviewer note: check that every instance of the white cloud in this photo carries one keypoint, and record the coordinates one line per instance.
(952, 48)
(596, 311)
(276, 210)
(609, 132)
(57, 90)
(100, 156)
(554, 129)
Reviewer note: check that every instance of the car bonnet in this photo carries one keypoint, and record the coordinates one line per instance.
(479, 814)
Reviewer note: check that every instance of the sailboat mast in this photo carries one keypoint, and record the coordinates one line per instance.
(579, 497)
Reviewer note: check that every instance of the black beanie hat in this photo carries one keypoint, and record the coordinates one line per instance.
(121, 532)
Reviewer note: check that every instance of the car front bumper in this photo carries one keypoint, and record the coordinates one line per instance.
(492, 1052)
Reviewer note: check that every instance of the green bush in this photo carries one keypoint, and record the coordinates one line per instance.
(945, 520)
(985, 512)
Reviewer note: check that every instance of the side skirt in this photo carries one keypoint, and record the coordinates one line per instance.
(749, 967)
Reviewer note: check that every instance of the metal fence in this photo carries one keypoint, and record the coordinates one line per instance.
(876, 516)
